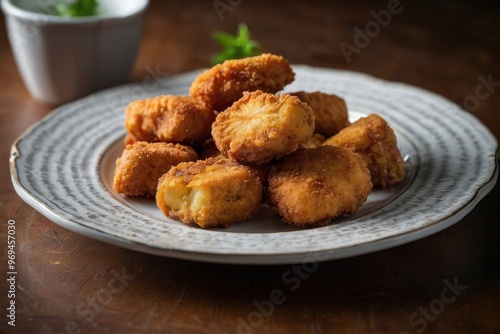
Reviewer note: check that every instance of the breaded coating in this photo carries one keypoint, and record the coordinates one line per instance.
(316, 140)
(210, 193)
(141, 165)
(169, 118)
(209, 150)
(129, 139)
(260, 127)
(373, 139)
(225, 83)
(313, 186)
(330, 111)
(263, 171)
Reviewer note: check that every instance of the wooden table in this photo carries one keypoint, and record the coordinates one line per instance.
(446, 283)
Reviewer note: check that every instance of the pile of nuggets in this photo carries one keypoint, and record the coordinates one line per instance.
(214, 157)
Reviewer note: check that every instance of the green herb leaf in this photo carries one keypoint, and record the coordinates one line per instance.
(78, 8)
(225, 39)
(235, 47)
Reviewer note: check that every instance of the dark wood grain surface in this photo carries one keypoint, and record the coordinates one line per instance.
(446, 283)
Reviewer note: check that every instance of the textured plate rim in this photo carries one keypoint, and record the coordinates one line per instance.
(251, 258)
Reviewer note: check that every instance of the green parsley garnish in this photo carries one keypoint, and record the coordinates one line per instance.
(235, 47)
(78, 8)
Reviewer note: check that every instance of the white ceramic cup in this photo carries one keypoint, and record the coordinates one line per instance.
(62, 59)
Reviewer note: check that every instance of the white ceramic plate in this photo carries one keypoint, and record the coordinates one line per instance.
(63, 167)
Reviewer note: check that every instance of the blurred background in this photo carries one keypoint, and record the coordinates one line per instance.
(433, 41)
(448, 47)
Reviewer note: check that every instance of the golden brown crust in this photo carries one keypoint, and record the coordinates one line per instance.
(169, 118)
(373, 139)
(330, 111)
(316, 140)
(129, 139)
(260, 148)
(210, 193)
(141, 165)
(260, 127)
(313, 186)
(225, 83)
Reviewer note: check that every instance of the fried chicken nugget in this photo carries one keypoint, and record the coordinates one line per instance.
(209, 150)
(316, 140)
(260, 127)
(330, 111)
(210, 193)
(225, 83)
(141, 165)
(129, 139)
(169, 118)
(373, 139)
(312, 186)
